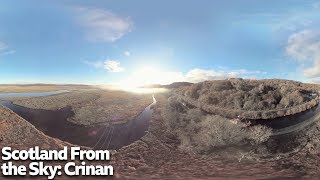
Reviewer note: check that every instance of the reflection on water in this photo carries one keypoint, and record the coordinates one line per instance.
(291, 123)
(31, 94)
(289, 132)
(55, 124)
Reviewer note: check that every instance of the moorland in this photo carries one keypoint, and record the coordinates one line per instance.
(188, 137)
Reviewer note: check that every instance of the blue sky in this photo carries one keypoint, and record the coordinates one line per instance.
(142, 41)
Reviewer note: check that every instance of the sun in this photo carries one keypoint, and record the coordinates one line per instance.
(148, 75)
(143, 76)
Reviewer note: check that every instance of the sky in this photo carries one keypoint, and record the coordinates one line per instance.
(150, 42)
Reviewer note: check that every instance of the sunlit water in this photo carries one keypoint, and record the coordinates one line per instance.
(31, 94)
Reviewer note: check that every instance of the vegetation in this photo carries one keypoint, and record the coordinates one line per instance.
(210, 115)
(250, 99)
(156, 155)
(20, 134)
(91, 107)
(201, 133)
(40, 88)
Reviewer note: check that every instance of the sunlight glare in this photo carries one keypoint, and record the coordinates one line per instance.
(151, 76)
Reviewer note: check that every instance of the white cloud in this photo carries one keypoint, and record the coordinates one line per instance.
(102, 25)
(127, 53)
(150, 75)
(304, 46)
(314, 80)
(113, 66)
(110, 65)
(199, 75)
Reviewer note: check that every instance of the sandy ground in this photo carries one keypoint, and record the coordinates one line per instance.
(92, 106)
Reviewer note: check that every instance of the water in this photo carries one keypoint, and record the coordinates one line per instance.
(31, 94)
(289, 132)
(291, 123)
(56, 124)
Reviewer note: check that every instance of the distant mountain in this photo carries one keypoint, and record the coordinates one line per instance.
(169, 86)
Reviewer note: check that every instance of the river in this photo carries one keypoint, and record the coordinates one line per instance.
(31, 94)
(55, 124)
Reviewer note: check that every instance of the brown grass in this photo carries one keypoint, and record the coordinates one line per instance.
(92, 106)
(250, 99)
(39, 88)
(20, 134)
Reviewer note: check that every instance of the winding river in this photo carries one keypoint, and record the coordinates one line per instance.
(56, 124)
(291, 123)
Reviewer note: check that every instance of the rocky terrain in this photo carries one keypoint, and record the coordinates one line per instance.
(249, 99)
(91, 106)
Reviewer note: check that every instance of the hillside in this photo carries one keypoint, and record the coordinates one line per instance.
(249, 99)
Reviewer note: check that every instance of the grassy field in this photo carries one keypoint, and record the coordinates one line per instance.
(40, 88)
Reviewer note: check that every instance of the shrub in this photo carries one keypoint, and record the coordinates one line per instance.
(201, 133)
(257, 96)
